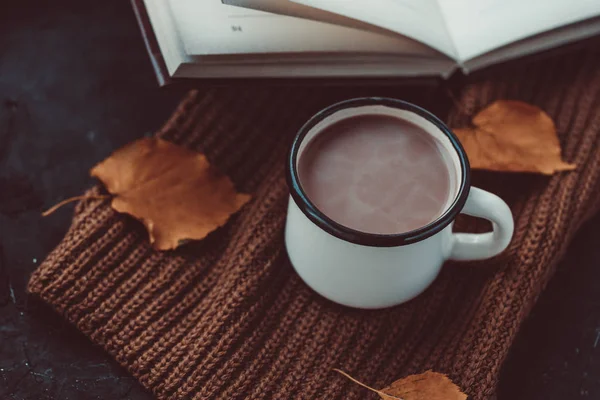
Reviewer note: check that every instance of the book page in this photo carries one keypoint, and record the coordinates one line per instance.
(421, 20)
(534, 44)
(285, 7)
(479, 26)
(210, 27)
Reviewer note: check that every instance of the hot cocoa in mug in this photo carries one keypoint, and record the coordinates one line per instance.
(375, 187)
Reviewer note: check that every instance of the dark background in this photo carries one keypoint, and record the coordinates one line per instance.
(75, 84)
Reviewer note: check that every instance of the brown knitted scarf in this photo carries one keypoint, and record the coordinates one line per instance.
(228, 318)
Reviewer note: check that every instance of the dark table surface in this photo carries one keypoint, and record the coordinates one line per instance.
(75, 84)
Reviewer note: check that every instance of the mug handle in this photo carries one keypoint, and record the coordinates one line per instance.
(479, 246)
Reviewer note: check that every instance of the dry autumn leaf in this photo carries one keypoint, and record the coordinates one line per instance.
(174, 191)
(426, 386)
(513, 136)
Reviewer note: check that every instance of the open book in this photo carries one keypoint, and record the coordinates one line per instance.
(354, 38)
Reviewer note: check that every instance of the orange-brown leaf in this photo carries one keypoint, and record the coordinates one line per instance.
(513, 136)
(173, 191)
(426, 386)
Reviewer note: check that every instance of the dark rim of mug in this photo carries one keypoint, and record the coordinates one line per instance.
(373, 239)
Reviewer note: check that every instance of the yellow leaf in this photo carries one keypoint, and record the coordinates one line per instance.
(513, 136)
(173, 191)
(426, 386)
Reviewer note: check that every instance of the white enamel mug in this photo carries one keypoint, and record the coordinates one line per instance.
(366, 270)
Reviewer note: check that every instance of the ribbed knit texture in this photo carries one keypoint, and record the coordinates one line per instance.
(228, 318)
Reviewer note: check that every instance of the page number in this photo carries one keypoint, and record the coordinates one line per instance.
(236, 28)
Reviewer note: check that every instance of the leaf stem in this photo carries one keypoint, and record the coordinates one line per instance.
(379, 392)
(72, 199)
(355, 381)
